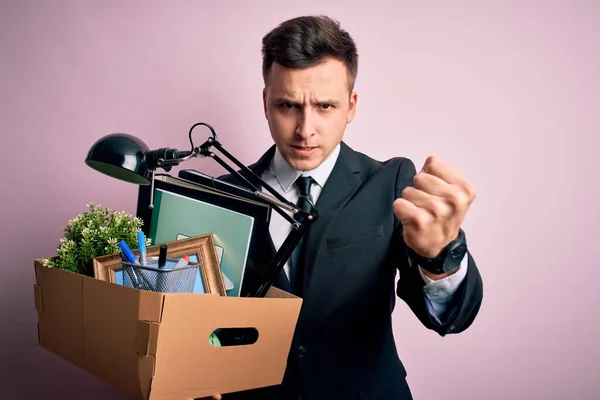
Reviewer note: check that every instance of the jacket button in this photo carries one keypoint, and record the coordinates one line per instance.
(301, 351)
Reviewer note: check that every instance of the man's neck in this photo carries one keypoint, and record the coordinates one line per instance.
(286, 175)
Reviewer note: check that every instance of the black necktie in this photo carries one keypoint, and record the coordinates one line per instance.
(305, 200)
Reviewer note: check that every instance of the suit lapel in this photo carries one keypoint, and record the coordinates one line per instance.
(343, 182)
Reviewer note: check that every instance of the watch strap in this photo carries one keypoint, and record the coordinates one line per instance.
(448, 259)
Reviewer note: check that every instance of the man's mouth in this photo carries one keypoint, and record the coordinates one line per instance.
(303, 151)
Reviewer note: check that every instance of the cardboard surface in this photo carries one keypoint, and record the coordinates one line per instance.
(155, 345)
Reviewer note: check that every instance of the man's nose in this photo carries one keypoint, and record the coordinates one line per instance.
(305, 128)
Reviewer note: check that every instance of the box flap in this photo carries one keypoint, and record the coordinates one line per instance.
(112, 315)
(274, 292)
(60, 325)
(183, 349)
(95, 325)
(150, 306)
(147, 338)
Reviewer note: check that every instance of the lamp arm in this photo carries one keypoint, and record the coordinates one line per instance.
(213, 142)
(166, 158)
(174, 157)
(204, 150)
(270, 273)
(275, 198)
(278, 205)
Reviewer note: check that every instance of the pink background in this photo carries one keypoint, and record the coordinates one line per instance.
(506, 92)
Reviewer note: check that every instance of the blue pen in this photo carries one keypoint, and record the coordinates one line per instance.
(127, 252)
(128, 256)
(142, 247)
(133, 260)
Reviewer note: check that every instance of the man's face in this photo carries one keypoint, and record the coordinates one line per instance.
(307, 111)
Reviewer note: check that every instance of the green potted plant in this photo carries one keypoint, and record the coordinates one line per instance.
(94, 233)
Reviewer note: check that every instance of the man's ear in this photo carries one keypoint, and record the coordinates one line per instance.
(264, 96)
(352, 107)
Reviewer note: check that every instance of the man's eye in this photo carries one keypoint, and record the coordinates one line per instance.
(288, 105)
(326, 106)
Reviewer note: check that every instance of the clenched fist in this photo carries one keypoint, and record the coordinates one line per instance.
(433, 210)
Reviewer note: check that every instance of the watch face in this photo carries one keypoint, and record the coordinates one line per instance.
(455, 256)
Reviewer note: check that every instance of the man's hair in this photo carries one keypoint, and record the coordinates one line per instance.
(307, 41)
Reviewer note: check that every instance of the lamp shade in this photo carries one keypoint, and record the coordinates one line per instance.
(121, 156)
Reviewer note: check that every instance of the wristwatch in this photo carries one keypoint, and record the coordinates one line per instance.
(449, 258)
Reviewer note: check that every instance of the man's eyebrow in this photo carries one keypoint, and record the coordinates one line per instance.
(328, 101)
(286, 99)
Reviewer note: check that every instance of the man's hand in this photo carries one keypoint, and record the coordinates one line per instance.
(432, 212)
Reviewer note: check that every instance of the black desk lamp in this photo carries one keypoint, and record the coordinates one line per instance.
(125, 157)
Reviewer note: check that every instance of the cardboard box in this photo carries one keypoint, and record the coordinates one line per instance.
(156, 346)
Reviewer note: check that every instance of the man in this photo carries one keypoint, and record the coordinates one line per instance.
(374, 218)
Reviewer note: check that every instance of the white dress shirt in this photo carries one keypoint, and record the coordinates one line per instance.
(281, 177)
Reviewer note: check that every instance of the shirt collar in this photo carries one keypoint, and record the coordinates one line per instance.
(286, 175)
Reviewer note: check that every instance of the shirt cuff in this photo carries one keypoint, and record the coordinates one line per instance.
(446, 286)
(439, 293)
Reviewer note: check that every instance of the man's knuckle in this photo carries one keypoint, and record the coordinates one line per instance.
(420, 179)
(471, 192)
(418, 221)
(439, 209)
(455, 198)
(408, 191)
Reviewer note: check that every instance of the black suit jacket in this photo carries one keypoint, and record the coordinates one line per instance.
(343, 347)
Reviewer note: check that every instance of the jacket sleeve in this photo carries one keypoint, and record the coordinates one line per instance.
(466, 301)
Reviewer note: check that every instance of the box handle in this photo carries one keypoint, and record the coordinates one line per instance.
(222, 337)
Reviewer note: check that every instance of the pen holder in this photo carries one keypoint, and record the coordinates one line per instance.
(166, 279)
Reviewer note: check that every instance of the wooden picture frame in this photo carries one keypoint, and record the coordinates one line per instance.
(202, 246)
